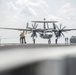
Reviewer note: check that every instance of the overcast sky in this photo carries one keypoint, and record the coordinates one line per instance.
(16, 13)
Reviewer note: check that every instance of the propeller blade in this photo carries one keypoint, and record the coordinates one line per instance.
(32, 25)
(63, 27)
(47, 26)
(63, 34)
(32, 35)
(60, 26)
(36, 26)
(27, 25)
(57, 27)
(36, 35)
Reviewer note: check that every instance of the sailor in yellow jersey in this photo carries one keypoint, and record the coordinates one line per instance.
(22, 38)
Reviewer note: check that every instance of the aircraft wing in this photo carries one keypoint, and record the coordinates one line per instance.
(17, 29)
(55, 30)
(37, 30)
(45, 21)
(68, 30)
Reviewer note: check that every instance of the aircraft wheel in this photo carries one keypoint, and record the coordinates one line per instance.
(56, 40)
(34, 41)
(49, 41)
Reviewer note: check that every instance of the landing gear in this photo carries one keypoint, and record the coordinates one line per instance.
(56, 40)
(33, 40)
(49, 41)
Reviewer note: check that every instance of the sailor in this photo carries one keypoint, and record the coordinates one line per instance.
(66, 40)
(22, 38)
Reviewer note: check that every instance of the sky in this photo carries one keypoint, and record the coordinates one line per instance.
(16, 13)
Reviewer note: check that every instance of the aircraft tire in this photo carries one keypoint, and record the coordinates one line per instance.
(49, 41)
(34, 41)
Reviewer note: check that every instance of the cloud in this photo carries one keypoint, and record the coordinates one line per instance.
(30, 6)
(66, 15)
(14, 12)
(22, 7)
(52, 17)
(67, 10)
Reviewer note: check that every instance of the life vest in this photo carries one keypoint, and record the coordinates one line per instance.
(22, 35)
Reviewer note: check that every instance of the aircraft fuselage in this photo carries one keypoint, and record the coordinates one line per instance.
(46, 36)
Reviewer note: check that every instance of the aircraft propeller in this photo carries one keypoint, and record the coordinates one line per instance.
(47, 26)
(33, 30)
(60, 31)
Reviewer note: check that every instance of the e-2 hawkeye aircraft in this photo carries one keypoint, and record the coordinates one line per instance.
(44, 31)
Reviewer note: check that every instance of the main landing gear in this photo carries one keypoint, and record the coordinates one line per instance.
(56, 40)
(33, 40)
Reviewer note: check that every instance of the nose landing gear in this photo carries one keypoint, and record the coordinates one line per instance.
(49, 41)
